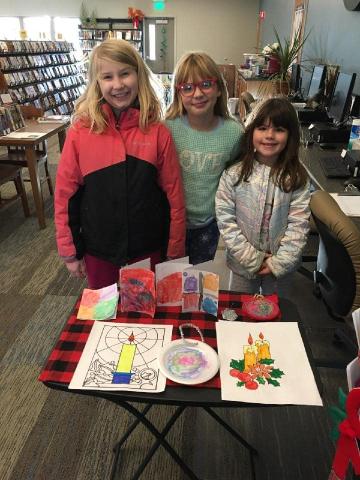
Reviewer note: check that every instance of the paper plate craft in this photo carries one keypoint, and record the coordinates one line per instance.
(260, 308)
(99, 304)
(137, 290)
(188, 362)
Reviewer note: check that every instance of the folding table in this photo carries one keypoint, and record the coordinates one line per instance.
(62, 362)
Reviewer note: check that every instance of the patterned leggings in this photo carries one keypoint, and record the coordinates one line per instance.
(201, 243)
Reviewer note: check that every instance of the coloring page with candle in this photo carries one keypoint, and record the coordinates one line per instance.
(122, 356)
(265, 363)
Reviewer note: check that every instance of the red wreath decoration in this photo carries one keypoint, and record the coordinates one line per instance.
(136, 16)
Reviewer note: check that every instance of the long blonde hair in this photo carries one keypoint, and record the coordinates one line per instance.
(88, 107)
(193, 65)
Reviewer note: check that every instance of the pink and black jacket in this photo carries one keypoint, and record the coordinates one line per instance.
(119, 194)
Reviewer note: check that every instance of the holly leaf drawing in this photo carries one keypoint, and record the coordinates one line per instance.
(266, 361)
(275, 383)
(238, 364)
(240, 384)
(260, 380)
(276, 373)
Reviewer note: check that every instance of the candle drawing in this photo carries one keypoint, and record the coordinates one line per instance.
(263, 348)
(250, 353)
(123, 373)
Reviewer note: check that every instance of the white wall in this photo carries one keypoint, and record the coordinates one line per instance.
(223, 28)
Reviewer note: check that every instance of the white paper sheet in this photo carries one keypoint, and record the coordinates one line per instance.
(296, 385)
(24, 135)
(349, 204)
(125, 353)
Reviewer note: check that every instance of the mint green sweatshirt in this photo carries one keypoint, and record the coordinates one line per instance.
(203, 156)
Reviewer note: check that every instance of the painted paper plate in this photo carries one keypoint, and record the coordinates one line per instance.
(188, 362)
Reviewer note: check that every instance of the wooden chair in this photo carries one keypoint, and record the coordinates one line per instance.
(16, 155)
(229, 72)
(12, 173)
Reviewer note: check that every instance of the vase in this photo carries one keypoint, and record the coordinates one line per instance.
(273, 66)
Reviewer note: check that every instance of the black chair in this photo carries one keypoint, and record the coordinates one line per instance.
(337, 273)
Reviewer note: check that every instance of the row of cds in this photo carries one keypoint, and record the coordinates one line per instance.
(45, 100)
(35, 61)
(9, 46)
(42, 75)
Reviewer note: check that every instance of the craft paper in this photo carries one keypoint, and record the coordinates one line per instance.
(200, 291)
(146, 263)
(353, 368)
(122, 357)
(353, 373)
(169, 283)
(99, 304)
(137, 290)
(265, 363)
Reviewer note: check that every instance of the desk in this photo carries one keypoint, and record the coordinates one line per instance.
(47, 130)
(63, 360)
(310, 159)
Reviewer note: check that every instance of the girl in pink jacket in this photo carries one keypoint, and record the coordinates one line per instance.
(118, 195)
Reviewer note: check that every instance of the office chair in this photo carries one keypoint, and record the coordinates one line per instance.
(337, 273)
(16, 155)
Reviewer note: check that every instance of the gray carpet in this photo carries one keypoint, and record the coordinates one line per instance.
(50, 435)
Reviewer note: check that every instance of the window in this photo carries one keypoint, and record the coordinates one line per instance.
(67, 29)
(37, 28)
(9, 28)
(152, 42)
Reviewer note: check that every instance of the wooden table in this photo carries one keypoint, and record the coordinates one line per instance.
(47, 130)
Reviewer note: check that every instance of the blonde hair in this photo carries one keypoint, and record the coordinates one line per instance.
(88, 107)
(192, 66)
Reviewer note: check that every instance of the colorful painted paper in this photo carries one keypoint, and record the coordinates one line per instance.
(169, 283)
(99, 304)
(265, 363)
(122, 357)
(200, 291)
(137, 290)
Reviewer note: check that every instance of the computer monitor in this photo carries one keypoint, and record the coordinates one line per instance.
(317, 81)
(295, 79)
(341, 99)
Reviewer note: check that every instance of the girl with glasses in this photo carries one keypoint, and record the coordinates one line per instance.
(119, 195)
(262, 204)
(207, 140)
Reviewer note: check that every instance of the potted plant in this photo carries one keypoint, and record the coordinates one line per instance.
(281, 56)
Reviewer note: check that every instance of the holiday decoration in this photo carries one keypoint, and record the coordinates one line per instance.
(347, 450)
(136, 16)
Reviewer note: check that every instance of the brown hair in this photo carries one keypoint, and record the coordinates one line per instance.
(88, 108)
(192, 66)
(288, 172)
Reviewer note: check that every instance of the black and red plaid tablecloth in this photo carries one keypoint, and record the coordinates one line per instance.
(64, 358)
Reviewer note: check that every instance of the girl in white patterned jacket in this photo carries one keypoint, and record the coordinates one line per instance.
(262, 203)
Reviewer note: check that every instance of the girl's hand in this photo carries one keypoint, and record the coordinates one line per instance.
(264, 270)
(76, 268)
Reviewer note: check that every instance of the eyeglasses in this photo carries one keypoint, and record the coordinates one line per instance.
(188, 89)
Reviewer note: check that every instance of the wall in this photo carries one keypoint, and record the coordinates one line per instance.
(224, 29)
(334, 32)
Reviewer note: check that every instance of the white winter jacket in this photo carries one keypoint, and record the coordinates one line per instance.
(239, 212)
